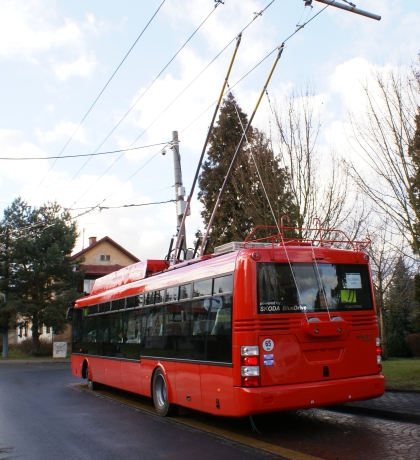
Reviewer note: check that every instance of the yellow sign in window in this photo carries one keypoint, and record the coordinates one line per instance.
(348, 296)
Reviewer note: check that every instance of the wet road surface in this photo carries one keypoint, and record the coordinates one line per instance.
(42, 417)
(46, 413)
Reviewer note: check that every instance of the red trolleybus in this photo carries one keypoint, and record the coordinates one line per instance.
(264, 325)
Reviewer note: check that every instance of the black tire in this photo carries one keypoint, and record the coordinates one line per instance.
(160, 395)
(91, 384)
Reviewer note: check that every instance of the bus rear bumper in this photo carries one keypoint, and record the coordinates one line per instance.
(258, 400)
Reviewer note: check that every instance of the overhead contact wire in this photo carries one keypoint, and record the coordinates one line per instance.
(83, 155)
(250, 71)
(100, 94)
(132, 107)
(280, 50)
(256, 15)
(205, 68)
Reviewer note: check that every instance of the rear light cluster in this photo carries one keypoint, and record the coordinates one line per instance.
(378, 354)
(250, 366)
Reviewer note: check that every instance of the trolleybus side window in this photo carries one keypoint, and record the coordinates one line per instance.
(104, 307)
(92, 310)
(202, 288)
(103, 328)
(160, 296)
(183, 329)
(133, 302)
(149, 298)
(223, 284)
(172, 294)
(115, 328)
(185, 291)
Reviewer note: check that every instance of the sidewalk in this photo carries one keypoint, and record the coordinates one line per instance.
(35, 361)
(394, 405)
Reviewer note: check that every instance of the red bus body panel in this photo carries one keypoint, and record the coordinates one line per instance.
(315, 364)
(303, 396)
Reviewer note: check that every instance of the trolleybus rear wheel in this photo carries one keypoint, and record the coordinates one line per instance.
(91, 384)
(160, 395)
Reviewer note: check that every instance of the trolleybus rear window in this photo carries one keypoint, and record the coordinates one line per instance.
(300, 287)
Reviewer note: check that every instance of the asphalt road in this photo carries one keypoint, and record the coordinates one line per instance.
(46, 414)
(42, 417)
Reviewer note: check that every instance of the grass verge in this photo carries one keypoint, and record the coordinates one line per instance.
(402, 373)
(18, 354)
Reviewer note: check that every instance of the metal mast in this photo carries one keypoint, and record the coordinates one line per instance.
(179, 196)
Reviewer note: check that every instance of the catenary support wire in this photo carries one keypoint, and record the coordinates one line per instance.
(83, 155)
(177, 97)
(131, 108)
(99, 95)
(239, 81)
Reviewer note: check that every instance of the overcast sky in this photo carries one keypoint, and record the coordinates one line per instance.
(57, 56)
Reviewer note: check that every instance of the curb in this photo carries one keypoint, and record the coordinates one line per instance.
(35, 361)
(390, 390)
(380, 413)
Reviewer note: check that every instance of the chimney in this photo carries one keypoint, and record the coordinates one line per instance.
(92, 240)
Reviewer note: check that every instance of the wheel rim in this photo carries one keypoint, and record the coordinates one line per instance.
(89, 382)
(160, 391)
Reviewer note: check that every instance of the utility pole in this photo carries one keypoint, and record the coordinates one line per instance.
(179, 195)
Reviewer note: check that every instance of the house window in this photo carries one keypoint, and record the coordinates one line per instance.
(105, 257)
(87, 285)
(47, 329)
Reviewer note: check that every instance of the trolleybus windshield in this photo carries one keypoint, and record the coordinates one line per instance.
(300, 287)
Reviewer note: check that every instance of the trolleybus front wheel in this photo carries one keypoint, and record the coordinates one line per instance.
(91, 384)
(160, 395)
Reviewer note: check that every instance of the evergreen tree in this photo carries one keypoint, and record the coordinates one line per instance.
(415, 317)
(244, 204)
(414, 152)
(35, 264)
(7, 312)
(400, 303)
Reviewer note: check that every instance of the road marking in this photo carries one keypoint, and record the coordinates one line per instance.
(219, 432)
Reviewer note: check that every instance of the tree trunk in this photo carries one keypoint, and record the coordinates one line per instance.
(35, 333)
(5, 343)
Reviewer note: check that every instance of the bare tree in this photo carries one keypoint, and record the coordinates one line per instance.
(382, 133)
(384, 256)
(318, 182)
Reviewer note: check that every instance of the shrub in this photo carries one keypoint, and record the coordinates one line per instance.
(413, 341)
(27, 347)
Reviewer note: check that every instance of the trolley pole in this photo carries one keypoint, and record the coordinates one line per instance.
(351, 7)
(179, 196)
